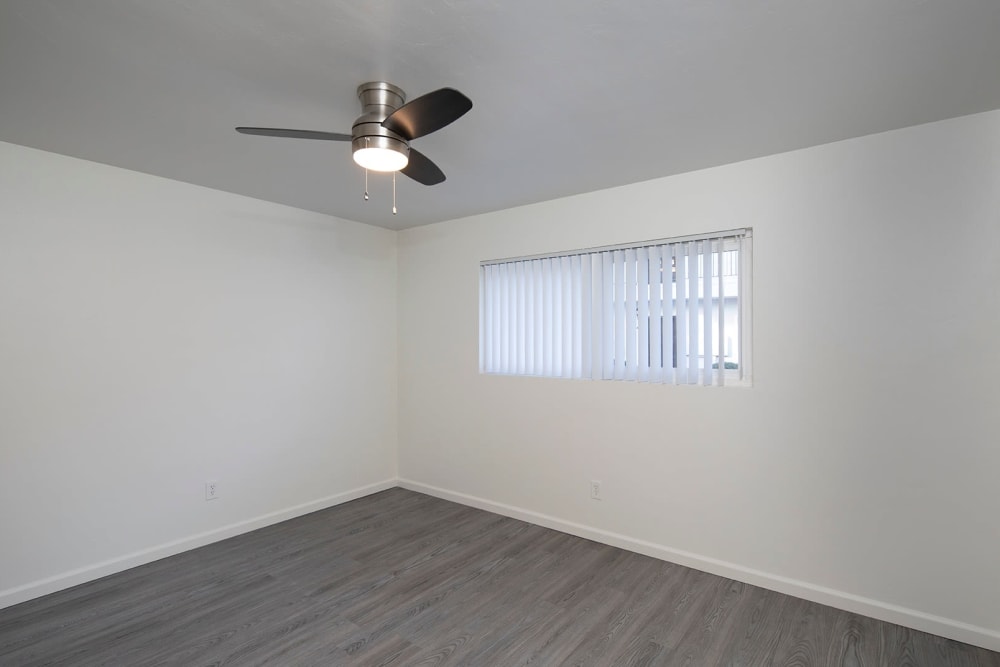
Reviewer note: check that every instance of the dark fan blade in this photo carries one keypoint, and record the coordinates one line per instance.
(294, 134)
(422, 170)
(428, 113)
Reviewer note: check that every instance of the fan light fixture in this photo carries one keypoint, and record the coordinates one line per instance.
(382, 158)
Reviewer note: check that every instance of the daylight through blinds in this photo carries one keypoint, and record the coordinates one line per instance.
(671, 311)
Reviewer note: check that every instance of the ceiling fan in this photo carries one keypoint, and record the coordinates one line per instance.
(380, 137)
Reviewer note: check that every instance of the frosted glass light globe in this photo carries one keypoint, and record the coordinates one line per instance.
(380, 159)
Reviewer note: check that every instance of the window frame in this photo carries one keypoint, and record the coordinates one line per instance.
(562, 284)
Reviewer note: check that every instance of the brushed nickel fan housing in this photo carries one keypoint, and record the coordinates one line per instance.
(369, 138)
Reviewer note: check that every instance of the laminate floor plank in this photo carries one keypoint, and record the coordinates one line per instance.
(674, 614)
(763, 621)
(401, 579)
(621, 623)
(581, 620)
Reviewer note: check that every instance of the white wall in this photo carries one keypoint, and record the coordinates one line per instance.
(859, 470)
(154, 335)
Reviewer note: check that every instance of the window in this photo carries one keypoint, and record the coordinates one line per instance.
(673, 311)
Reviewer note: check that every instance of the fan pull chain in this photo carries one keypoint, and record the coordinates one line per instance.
(366, 185)
(394, 193)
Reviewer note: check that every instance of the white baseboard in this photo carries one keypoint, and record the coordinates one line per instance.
(87, 573)
(911, 618)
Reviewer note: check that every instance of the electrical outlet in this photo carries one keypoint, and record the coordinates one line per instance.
(595, 489)
(211, 490)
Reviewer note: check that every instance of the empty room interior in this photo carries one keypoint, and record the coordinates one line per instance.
(670, 340)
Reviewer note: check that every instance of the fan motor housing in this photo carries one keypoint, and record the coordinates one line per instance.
(378, 100)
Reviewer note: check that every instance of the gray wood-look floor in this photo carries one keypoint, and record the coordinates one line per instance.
(400, 578)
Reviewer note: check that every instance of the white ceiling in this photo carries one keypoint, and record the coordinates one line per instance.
(570, 95)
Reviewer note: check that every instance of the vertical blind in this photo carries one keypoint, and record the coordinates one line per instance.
(672, 311)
